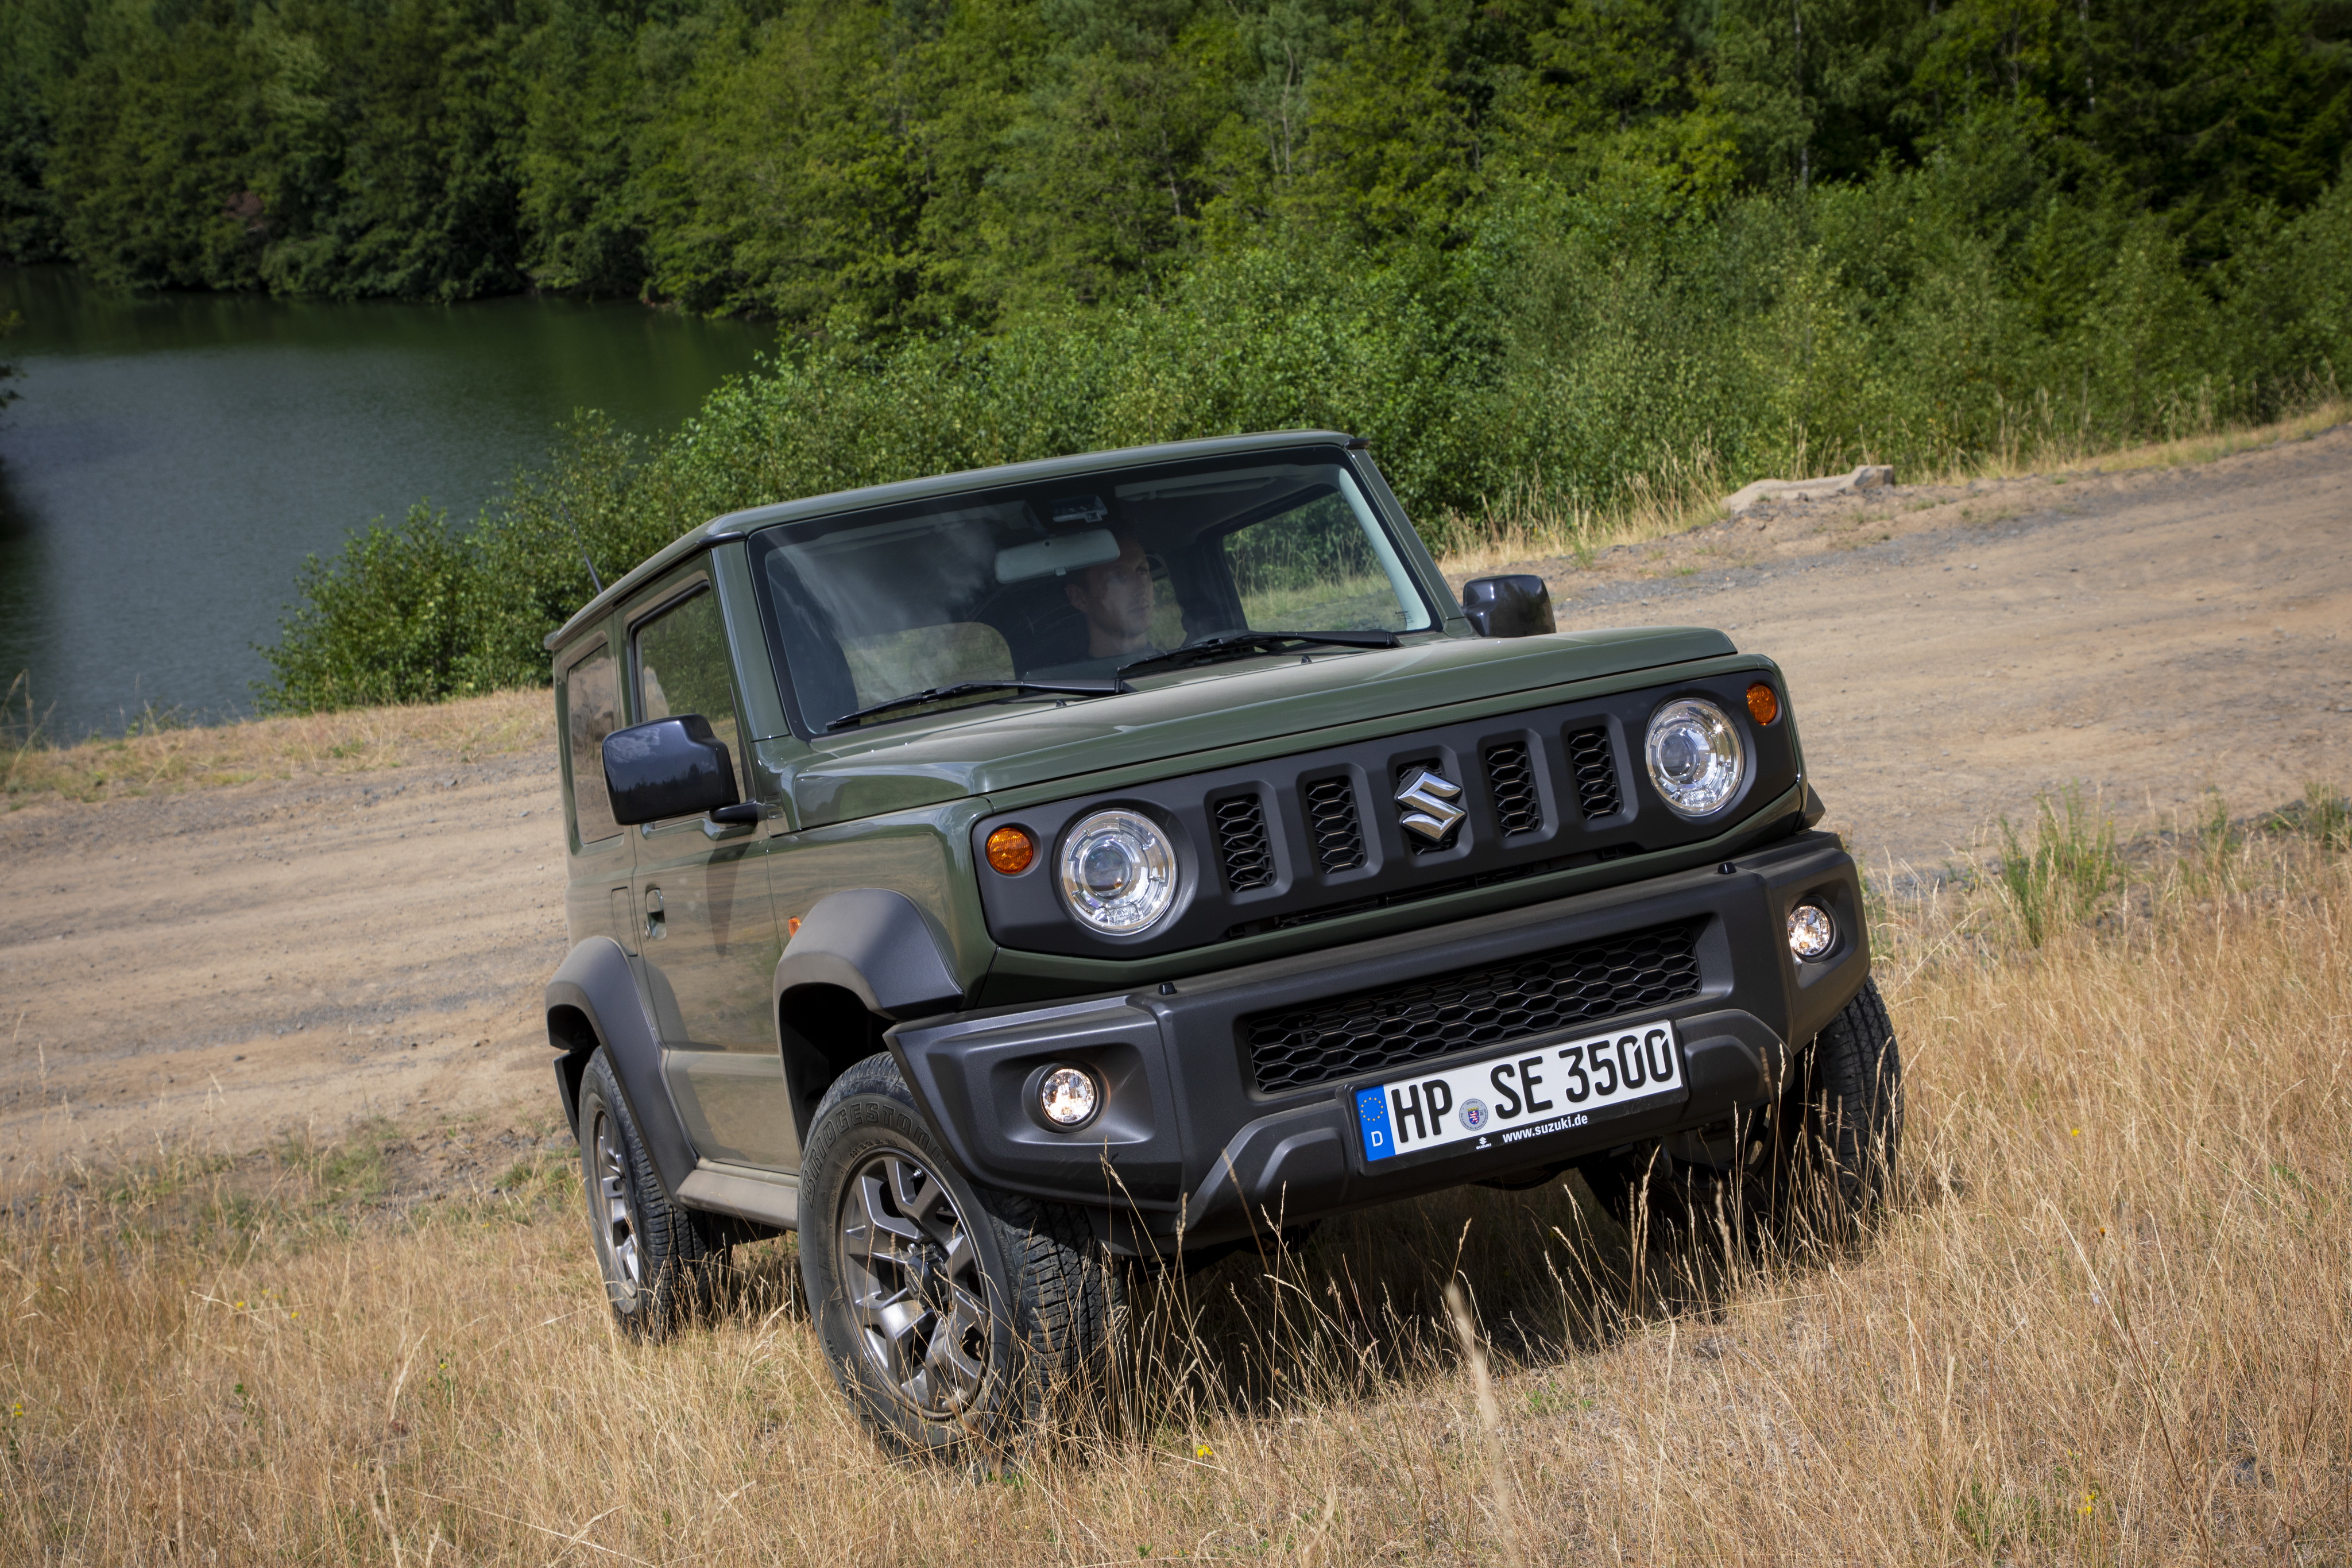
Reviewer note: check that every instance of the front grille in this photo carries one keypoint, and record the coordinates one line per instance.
(1590, 759)
(1511, 780)
(1331, 817)
(1373, 1030)
(1242, 843)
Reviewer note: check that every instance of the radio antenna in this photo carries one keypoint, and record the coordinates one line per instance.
(583, 543)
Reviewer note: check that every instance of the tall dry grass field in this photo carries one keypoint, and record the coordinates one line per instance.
(2108, 1319)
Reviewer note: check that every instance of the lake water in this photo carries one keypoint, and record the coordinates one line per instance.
(172, 460)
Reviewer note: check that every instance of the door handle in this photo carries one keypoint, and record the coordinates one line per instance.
(624, 923)
(655, 926)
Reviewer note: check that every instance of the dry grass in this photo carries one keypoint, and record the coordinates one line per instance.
(159, 754)
(1530, 524)
(2204, 441)
(2109, 1319)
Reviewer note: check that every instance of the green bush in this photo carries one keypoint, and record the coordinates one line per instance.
(392, 620)
(1550, 259)
(1579, 350)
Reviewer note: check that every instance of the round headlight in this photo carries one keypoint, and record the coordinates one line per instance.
(1696, 757)
(1119, 873)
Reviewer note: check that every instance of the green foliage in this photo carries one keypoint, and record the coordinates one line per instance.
(859, 167)
(2327, 816)
(389, 621)
(2063, 879)
(1558, 254)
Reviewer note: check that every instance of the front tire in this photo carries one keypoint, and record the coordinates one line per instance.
(1819, 1159)
(660, 1262)
(952, 1314)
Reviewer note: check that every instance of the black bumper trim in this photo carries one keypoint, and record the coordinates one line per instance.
(1187, 1144)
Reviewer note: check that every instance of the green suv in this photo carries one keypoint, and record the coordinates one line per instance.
(1000, 876)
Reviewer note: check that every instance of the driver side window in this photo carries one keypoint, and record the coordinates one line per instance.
(682, 667)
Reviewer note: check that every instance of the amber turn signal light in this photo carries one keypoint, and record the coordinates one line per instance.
(1763, 702)
(1010, 849)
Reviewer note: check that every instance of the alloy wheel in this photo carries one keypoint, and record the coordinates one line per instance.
(608, 1208)
(916, 1291)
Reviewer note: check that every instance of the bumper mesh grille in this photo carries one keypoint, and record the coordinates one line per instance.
(1331, 815)
(1375, 1029)
(1589, 758)
(1242, 843)
(1511, 781)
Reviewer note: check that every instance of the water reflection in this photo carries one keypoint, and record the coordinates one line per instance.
(172, 460)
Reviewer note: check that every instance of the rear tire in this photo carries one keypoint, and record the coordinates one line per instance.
(661, 1263)
(1819, 1159)
(954, 1315)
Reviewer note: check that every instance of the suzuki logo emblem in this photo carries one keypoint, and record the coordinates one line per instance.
(1428, 797)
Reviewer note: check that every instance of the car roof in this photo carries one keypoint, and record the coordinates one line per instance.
(735, 524)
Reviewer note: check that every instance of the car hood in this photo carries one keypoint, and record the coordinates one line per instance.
(1257, 703)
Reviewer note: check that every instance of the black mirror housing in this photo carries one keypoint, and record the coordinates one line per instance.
(669, 767)
(1517, 606)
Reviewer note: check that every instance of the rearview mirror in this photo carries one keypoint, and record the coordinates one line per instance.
(1518, 606)
(1064, 552)
(670, 768)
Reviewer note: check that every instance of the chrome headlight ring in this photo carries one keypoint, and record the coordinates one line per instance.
(1697, 757)
(1118, 872)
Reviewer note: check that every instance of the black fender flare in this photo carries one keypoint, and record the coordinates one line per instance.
(878, 945)
(864, 958)
(594, 990)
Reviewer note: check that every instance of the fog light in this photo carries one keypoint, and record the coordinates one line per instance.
(1068, 1097)
(1811, 932)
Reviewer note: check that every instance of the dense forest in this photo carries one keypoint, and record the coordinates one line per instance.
(1548, 253)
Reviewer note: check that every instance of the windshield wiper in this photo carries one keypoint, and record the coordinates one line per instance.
(965, 688)
(1242, 644)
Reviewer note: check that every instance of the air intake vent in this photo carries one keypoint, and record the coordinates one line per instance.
(1242, 843)
(1511, 780)
(1331, 817)
(1594, 763)
(1372, 1031)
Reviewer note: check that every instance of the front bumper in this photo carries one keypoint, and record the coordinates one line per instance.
(1187, 1146)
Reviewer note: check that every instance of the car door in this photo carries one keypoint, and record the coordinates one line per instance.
(706, 919)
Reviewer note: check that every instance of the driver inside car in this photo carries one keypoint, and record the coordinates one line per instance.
(1115, 598)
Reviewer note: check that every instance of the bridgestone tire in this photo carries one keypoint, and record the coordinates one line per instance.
(955, 1317)
(1817, 1163)
(661, 1264)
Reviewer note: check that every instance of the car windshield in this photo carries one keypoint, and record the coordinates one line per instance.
(1070, 579)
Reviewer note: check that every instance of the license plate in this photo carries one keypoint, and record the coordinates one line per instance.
(1520, 1096)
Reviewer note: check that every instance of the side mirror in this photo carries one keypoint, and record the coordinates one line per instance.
(670, 768)
(1508, 606)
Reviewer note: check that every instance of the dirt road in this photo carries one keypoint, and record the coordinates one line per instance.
(1953, 651)
(234, 965)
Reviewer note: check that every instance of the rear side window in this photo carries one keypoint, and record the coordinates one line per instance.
(591, 710)
(683, 667)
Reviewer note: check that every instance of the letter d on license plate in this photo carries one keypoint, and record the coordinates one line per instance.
(1524, 1094)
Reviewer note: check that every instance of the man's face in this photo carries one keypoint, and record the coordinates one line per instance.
(1116, 599)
